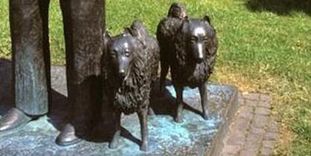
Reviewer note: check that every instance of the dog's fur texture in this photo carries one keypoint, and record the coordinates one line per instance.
(174, 36)
(131, 93)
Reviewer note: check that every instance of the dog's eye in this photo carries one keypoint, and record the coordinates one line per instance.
(206, 39)
(127, 53)
(193, 39)
(113, 54)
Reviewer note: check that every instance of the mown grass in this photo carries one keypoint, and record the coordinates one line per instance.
(261, 50)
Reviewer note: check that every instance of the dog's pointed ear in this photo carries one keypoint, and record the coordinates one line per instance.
(127, 31)
(139, 31)
(185, 24)
(207, 18)
(134, 32)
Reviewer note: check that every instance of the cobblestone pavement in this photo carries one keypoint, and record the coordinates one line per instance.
(253, 130)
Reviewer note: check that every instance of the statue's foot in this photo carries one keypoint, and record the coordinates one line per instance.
(205, 116)
(144, 147)
(178, 119)
(13, 119)
(67, 136)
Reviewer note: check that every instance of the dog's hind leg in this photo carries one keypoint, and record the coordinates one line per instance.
(164, 71)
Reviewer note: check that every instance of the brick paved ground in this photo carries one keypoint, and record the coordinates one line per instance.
(253, 130)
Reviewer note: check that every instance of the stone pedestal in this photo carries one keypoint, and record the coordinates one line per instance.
(195, 136)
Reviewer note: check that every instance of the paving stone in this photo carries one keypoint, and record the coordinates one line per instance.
(248, 152)
(236, 138)
(259, 121)
(268, 143)
(249, 102)
(253, 140)
(265, 104)
(252, 144)
(251, 96)
(272, 127)
(242, 102)
(232, 149)
(264, 97)
(227, 154)
(241, 124)
(246, 112)
(271, 136)
(258, 131)
(263, 111)
(266, 151)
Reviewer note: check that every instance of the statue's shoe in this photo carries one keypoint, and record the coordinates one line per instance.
(13, 119)
(67, 136)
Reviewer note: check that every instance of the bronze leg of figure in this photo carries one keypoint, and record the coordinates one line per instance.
(31, 75)
(164, 71)
(83, 24)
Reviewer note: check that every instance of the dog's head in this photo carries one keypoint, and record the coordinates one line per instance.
(198, 34)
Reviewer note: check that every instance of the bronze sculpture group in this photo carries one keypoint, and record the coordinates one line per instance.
(126, 64)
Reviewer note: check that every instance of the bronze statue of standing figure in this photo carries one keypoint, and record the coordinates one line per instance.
(83, 27)
(188, 47)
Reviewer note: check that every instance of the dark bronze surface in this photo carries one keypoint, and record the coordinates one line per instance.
(129, 70)
(188, 48)
(13, 119)
(28, 20)
(67, 136)
(83, 27)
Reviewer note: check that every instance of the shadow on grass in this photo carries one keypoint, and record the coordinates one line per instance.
(280, 7)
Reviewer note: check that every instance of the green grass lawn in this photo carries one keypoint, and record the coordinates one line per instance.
(265, 46)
